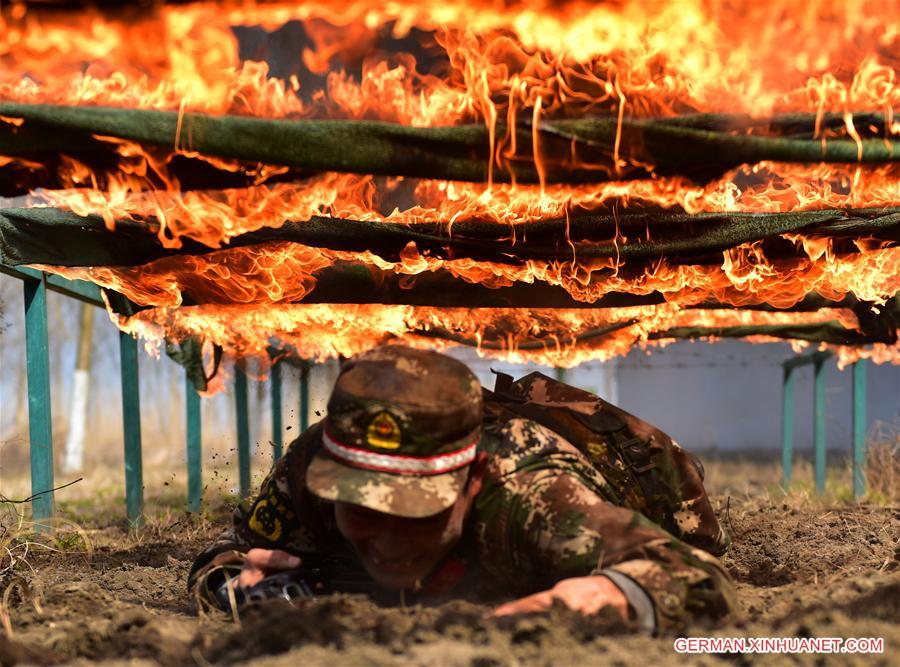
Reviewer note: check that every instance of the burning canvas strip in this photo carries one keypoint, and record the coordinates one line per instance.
(556, 337)
(617, 95)
(337, 260)
(143, 190)
(266, 277)
(267, 274)
(571, 150)
(54, 237)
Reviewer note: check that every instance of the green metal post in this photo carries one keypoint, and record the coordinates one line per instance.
(277, 434)
(304, 396)
(194, 446)
(40, 431)
(243, 428)
(859, 428)
(131, 418)
(819, 423)
(787, 427)
(75, 289)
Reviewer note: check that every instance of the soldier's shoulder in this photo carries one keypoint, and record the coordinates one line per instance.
(520, 445)
(289, 472)
(305, 445)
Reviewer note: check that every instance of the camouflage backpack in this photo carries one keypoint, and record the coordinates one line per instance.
(654, 475)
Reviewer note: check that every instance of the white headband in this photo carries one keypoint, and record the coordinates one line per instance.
(396, 463)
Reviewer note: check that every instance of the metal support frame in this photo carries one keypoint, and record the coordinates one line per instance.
(194, 446)
(37, 284)
(37, 353)
(277, 432)
(131, 422)
(819, 423)
(243, 428)
(787, 426)
(859, 428)
(787, 420)
(40, 423)
(75, 289)
(860, 423)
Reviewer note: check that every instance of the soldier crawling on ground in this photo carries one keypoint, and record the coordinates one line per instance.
(420, 481)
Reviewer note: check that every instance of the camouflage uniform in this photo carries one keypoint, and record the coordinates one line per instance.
(545, 511)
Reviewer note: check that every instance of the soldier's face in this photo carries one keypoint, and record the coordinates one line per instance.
(398, 552)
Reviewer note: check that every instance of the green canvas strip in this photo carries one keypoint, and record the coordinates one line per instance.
(701, 146)
(60, 238)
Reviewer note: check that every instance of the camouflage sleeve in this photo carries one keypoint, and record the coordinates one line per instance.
(559, 525)
(272, 520)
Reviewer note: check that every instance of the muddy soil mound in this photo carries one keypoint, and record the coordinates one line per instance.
(800, 571)
(787, 558)
(777, 545)
(80, 619)
(347, 622)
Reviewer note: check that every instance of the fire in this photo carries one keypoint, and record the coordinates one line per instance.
(214, 218)
(286, 272)
(662, 57)
(429, 64)
(319, 332)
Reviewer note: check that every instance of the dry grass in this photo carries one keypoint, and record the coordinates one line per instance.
(19, 538)
(21, 542)
(883, 463)
(744, 479)
(87, 524)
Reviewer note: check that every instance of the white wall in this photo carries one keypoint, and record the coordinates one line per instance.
(725, 396)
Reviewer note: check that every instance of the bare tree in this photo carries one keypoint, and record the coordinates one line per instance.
(74, 455)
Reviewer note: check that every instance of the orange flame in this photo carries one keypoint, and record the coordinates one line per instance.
(319, 332)
(214, 218)
(285, 272)
(495, 61)
(664, 58)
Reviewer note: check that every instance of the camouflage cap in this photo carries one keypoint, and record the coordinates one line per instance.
(403, 425)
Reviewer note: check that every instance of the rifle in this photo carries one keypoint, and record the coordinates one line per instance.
(317, 576)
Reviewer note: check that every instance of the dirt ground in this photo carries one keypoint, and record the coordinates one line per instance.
(93, 593)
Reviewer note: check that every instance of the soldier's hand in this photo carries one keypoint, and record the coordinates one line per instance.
(585, 594)
(260, 563)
